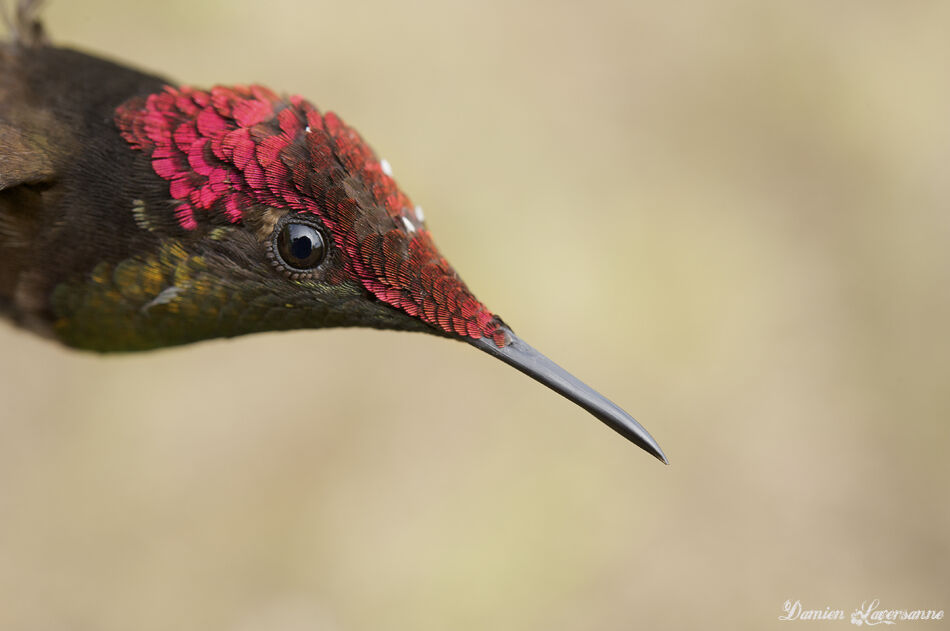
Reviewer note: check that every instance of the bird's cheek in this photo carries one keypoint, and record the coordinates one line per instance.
(159, 298)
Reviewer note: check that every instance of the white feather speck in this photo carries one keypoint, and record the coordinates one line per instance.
(386, 167)
(164, 297)
(409, 225)
(419, 214)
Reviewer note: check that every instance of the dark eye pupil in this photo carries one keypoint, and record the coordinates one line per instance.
(300, 245)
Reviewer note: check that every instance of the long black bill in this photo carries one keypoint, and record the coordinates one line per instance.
(532, 363)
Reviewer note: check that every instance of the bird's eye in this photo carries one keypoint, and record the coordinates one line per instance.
(300, 245)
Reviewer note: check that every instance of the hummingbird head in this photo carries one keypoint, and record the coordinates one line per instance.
(305, 193)
(259, 213)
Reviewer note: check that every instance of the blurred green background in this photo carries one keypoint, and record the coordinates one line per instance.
(730, 217)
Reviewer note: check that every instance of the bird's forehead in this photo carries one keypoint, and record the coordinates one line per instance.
(229, 150)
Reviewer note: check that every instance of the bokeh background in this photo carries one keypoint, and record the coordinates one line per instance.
(731, 217)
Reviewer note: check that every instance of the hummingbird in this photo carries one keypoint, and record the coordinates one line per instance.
(137, 214)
